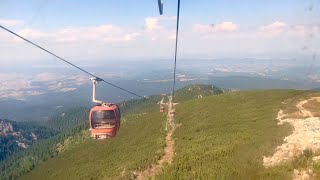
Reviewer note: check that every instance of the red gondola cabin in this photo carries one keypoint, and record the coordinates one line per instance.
(104, 121)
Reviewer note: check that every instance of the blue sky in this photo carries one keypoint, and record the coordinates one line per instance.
(132, 13)
(133, 29)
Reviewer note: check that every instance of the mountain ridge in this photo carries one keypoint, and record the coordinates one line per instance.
(221, 136)
(205, 134)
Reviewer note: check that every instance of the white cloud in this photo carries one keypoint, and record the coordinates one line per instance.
(274, 28)
(172, 36)
(154, 28)
(277, 28)
(32, 34)
(226, 27)
(131, 36)
(151, 23)
(114, 41)
(274, 39)
(299, 30)
(94, 42)
(222, 27)
(102, 33)
(10, 22)
(202, 28)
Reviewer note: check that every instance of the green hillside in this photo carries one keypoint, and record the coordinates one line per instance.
(68, 119)
(16, 136)
(139, 143)
(184, 94)
(73, 131)
(220, 137)
(196, 91)
(53, 138)
(226, 136)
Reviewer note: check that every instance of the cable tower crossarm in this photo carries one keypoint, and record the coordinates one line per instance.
(64, 60)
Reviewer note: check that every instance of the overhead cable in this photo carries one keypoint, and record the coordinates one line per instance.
(64, 60)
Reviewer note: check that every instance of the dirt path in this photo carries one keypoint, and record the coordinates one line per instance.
(304, 112)
(167, 158)
(306, 135)
(154, 169)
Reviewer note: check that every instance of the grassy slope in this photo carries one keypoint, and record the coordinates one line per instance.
(138, 107)
(194, 91)
(226, 136)
(183, 94)
(140, 142)
(221, 136)
(22, 162)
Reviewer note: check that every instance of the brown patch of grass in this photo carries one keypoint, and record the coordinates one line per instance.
(289, 106)
(313, 106)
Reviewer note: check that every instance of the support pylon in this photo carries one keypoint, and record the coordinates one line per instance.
(171, 112)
